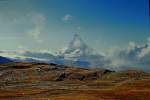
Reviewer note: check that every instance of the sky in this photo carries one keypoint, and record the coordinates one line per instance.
(48, 25)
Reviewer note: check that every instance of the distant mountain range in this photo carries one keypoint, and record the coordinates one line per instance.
(77, 53)
(4, 60)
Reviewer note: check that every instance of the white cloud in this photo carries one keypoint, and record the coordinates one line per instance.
(131, 46)
(38, 20)
(46, 51)
(113, 51)
(78, 28)
(137, 56)
(21, 47)
(145, 51)
(67, 18)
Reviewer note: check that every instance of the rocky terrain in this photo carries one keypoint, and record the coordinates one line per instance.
(41, 81)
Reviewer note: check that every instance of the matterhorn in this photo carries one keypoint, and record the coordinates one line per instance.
(78, 53)
(76, 49)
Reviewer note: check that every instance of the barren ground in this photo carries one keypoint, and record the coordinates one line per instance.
(39, 81)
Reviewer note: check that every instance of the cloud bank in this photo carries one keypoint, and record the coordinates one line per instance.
(134, 56)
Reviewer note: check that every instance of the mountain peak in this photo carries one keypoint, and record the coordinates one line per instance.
(77, 42)
(76, 48)
(78, 53)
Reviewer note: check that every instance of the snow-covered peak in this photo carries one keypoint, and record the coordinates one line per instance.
(77, 42)
(76, 48)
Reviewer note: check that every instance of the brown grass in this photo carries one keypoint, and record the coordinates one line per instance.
(126, 85)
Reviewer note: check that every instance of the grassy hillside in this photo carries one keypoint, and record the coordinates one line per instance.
(40, 81)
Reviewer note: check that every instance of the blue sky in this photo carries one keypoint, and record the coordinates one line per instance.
(50, 24)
